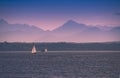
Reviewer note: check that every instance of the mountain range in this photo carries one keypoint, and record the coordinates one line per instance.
(70, 31)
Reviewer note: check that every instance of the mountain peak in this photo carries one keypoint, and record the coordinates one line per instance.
(70, 25)
(71, 22)
(2, 21)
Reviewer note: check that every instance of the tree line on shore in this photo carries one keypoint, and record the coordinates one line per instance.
(59, 46)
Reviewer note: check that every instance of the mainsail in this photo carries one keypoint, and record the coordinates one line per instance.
(33, 49)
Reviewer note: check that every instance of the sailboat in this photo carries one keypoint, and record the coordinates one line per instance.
(34, 49)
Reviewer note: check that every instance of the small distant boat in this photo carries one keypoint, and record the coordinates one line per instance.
(34, 49)
(44, 50)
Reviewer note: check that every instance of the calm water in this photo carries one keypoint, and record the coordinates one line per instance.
(60, 65)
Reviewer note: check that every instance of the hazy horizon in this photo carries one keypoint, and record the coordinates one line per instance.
(65, 20)
(70, 31)
(99, 26)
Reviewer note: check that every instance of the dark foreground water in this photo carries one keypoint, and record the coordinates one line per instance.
(60, 65)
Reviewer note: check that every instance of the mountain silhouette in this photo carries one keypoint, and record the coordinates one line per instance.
(115, 32)
(3, 22)
(70, 26)
(70, 31)
(18, 32)
(116, 29)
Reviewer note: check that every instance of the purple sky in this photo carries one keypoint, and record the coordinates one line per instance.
(49, 14)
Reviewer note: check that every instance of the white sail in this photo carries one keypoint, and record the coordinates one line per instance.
(33, 49)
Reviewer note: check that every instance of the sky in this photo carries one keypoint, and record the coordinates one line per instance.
(49, 14)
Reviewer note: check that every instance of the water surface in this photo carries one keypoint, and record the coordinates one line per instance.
(60, 65)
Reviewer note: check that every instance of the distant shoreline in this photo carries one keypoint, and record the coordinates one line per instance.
(61, 46)
(62, 52)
